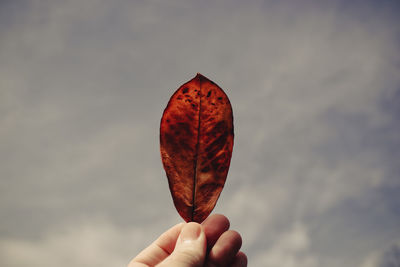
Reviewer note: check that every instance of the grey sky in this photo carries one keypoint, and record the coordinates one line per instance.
(314, 85)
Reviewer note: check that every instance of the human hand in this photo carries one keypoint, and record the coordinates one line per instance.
(210, 244)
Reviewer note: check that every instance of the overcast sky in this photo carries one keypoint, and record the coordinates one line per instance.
(315, 91)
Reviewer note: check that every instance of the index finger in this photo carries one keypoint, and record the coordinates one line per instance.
(214, 226)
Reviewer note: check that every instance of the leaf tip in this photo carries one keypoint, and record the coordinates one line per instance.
(200, 76)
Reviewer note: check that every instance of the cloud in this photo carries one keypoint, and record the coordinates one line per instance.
(387, 257)
(291, 249)
(95, 243)
(315, 92)
(372, 260)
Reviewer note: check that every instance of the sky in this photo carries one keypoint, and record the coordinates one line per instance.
(315, 90)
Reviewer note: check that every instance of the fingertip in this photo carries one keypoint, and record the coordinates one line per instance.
(214, 226)
(190, 232)
(240, 260)
(226, 248)
(190, 249)
(237, 237)
(217, 218)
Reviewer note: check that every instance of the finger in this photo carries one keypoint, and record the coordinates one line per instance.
(240, 260)
(159, 249)
(190, 249)
(225, 249)
(214, 226)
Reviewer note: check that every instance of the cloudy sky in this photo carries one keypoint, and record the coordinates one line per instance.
(315, 90)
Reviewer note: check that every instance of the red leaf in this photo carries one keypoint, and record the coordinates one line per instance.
(196, 141)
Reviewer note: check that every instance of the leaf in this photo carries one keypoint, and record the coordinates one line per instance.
(196, 141)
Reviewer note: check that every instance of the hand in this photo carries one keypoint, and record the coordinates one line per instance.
(193, 245)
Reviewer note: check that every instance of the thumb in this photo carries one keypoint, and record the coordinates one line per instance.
(190, 248)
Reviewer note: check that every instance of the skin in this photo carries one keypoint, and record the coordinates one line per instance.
(222, 246)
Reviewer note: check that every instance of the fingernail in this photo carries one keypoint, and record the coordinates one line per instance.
(190, 232)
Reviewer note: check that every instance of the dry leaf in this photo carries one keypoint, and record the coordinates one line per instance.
(196, 141)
